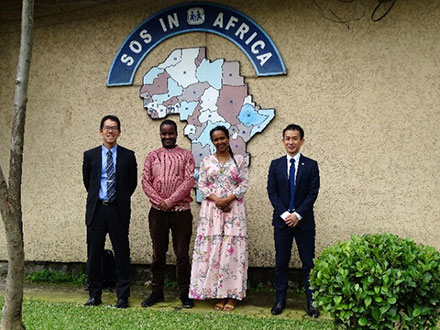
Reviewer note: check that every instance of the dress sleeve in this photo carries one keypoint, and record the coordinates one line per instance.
(202, 183)
(243, 177)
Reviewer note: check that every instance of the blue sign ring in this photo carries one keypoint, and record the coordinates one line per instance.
(196, 17)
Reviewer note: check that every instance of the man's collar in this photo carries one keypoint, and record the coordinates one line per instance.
(175, 146)
(296, 157)
(113, 149)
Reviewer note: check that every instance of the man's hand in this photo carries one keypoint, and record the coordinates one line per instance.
(163, 206)
(292, 220)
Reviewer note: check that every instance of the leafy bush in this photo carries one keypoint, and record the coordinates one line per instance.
(378, 282)
(50, 276)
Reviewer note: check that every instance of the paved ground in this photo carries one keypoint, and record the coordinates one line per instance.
(255, 303)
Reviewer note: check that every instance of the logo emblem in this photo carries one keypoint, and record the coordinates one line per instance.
(195, 16)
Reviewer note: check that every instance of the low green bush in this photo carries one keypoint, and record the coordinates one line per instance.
(49, 276)
(378, 281)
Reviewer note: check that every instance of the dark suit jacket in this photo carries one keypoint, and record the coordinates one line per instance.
(306, 191)
(126, 181)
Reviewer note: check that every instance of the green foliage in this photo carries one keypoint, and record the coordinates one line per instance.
(170, 283)
(378, 282)
(259, 288)
(39, 315)
(268, 289)
(49, 276)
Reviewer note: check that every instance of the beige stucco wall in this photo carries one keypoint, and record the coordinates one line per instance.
(368, 98)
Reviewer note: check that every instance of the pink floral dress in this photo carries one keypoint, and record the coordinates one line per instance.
(220, 258)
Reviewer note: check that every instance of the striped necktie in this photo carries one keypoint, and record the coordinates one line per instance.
(111, 177)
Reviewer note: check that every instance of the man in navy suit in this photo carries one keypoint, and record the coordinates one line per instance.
(110, 178)
(293, 185)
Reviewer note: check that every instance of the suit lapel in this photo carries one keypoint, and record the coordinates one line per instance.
(99, 158)
(283, 168)
(284, 184)
(119, 161)
(300, 171)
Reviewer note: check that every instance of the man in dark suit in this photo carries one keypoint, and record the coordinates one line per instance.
(293, 185)
(110, 178)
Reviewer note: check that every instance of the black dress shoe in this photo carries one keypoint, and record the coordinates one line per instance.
(93, 301)
(278, 307)
(153, 299)
(312, 311)
(187, 302)
(122, 303)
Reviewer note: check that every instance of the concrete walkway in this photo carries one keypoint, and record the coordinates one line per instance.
(256, 304)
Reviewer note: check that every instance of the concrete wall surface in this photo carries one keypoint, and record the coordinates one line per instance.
(366, 93)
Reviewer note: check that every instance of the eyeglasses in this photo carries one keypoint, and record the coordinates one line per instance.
(110, 128)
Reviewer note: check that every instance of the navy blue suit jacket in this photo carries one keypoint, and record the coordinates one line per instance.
(126, 181)
(306, 191)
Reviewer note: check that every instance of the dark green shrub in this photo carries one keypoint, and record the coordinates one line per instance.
(378, 282)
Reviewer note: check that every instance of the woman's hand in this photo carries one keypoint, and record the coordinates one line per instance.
(214, 198)
(226, 209)
(225, 202)
(222, 202)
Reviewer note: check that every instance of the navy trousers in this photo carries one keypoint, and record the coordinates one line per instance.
(305, 241)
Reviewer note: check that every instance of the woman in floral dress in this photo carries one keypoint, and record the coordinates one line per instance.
(220, 259)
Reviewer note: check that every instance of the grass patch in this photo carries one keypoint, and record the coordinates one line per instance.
(42, 315)
(49, 276)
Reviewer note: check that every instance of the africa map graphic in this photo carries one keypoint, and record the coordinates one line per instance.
(204, 94)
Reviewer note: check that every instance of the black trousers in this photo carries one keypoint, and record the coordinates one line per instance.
(106, 220)
(305, 241)
(180, 224)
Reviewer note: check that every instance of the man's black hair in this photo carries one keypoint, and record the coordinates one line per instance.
(169, 122)
(112, 118)
(294, 127)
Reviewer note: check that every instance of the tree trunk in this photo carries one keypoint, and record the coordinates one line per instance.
(10, 194)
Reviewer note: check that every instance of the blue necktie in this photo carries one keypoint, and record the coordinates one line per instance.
(292, 185)
(111, 177)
